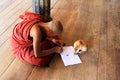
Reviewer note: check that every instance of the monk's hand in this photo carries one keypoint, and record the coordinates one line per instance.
(58, 50)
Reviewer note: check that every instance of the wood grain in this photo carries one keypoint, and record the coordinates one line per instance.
(95, 21)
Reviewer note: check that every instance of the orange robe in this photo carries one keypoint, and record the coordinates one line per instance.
(22, 45)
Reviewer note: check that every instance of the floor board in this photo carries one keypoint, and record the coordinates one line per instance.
(95, 21)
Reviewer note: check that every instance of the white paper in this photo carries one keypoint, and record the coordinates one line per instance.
(69, 58)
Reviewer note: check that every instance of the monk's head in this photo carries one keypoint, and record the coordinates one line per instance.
(56, 27)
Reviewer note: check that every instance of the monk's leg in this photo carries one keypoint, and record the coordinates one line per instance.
(29, 55)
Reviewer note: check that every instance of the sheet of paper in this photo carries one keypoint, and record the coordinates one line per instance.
(69, 58)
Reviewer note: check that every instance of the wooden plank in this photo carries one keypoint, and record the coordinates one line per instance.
(10, 18)
(5, 3)
(107, 57)
(7, 33)
(53, 3)
(103, 48)
(6, 57)
(18, 70)
(5, 50)
(85, 28)
(8, 60)
(10, 8)
(7, 28)
(114, 19)
(117, 43)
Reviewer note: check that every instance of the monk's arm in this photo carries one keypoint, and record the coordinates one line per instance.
(36, 34)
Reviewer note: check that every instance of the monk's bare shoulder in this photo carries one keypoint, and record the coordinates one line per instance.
(35, 30)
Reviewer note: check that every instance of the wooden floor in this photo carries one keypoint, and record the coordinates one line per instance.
(96, 21)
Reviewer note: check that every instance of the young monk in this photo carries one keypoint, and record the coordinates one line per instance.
(35, 41)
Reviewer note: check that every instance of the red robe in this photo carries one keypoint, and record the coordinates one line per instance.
(22, 45)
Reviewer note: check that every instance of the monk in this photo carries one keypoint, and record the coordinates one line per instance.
(34, 41)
